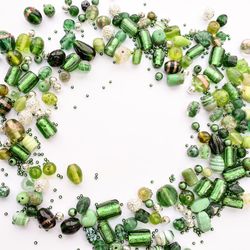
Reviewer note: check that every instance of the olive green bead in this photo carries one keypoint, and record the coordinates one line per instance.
(73, 10)
(190, 177)
(158, 76)
(175, 79)
(92, 12)
(167, 196)
(49, 10)
(36, 198)
(4, 90)
(20, 104)
(103, 21)
(49, 168)
(98, 45)
(74, 174)
(246, 163)
(14, 58)
(43, 86)
(64, 76)
(20, 219)
(35, 172)
(25, 67)
(49, 98)
(23, 198)
(37, 46)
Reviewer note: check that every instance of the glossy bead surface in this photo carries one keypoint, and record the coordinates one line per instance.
(49, 168)
(190, 177)
(45, 218)
(70, 226)
(92, 12)
(7, 42)
(85, 51)
(23, 198)
(108, 209)
(145, 193)
(46, 127)
(35, 172)
(186, 197)
(167, 196)
(56, 58)
(49, 10)
(14, 58)
(83, 205)
(89, 219)
(74, 174)
(33, 15)
(27, 82)
(14, 130)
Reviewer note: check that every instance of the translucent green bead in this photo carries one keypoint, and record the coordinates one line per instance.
(49, 168)
(82, 18)
(175, 53)
(221, 97)
(89, 219)
(234, 76)
(74, 174)
(181, 41)
(213, 27)
(129, 224)
(35, 172)
(49, 98)
(186, 197)
(95, 2)
(23, 198)
(7, 42)
(38, 59)
(99, 45)
(84, 66)
(20, 104)
(23, 42)
(167, 196)
(69, 24)
(149, 203)
(72, 212)
(73, 10)
(25, 67)
(44, 72)
(68, 2)
(180, 224)
(37, 46)
(92, 12)
(158, 76)
(155, 218)
(49, 10)
(193, 151)
(67, 41)
(14, 58)
(222, 20)
(43, 86)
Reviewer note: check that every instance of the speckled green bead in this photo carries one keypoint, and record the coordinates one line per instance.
(35, 172)
(43, 86)
(167, 196)
(4, 191)
(49, 10)
(92, 12)
(180, 224)
(33, 15)
(82, 205)
(158, 76)
(49, 168)
(23, 198)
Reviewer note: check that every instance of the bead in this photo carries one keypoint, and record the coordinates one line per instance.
(49, 10)
(92, 12)
(167, 196)
(216, 145)
(37, 46)
(172, 31)
(14, 58)
(213, 74)
(108, 31)
(203, 221)
(85, 4)
(231, 90)
(200, 205)
(158, 76)
(106, 232)
(98, 45)
(89, 219)
(70, 226)
(13, 75)
(213, 27)
(180, 224)
(186, 197)
(7, 42)
(67, 40)
(158, 37)
(43, 86)
(5, 105)
(20, 104)
(144, 193)
(230, 60)
(175, 79)
(35, 172)
(234, 76)
(234, 202)
(245, 46)
(4, 90)
(217, 163)
(73, 10)
(31, 211)
(189, 177)
(207, 172)
(134, 205)
(23, 198)
(193, 151)
(155, 218)
(200, 83)
(204, 187)
(114, 10)
(130, 27)
(139, 238)
(71, 62)
(193, 109)
(14, 130)
(137, 56)
(142, 215)
(172, 67)
(46, 127)
(4, 191)
(218, 190)
(145, 39)
(216, 56)
(234, 174)
(49, 98)
(129, 224)
(204, 137)
(33, 15)
(108, 209)
(195, 51)
(20, 219)
(85, 51)
(74, 174)
(122, 54)
(27, 82)
(164, 238)
(99, 245)
(36, 198)
(64, 76)
(83, 205)
(45, 218)
(175, 53)
(103, 21)
(44, 72)
(72, 212)
(56, 58)
(49, 168)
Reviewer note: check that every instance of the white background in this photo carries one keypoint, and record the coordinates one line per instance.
(129, 133)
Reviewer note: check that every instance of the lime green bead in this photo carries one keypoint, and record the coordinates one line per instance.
(23, 43)
(20, 104)
(246, 142)
(23, 198)
(181, 41)
(74, 174)
(49, 98)
(14, 58)
(155, 218)
(175, 53)
(172, 31)
(98, 45)
(89, 219)
(35, 172)
(43, 86)
(213, 27)
(221, 97)
(37, 46)
(234, 76)
(49, 168)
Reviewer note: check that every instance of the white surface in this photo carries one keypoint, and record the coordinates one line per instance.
(129, 133)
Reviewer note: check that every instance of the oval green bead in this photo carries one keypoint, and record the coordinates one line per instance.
(167, 196)
(74, 174)
(33, 15)
(35, 172)
(49, 168)
(83, 205)
(37, 46)
(49, 98)
(129, 224)
(20, 104)
(14, 58)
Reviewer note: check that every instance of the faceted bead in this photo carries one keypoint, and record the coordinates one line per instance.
(56, 58)
(175, 53)
(68, 40)
(103, 21)
(70, 226)
(129, 224)
(7, 42)
(20, 219)
(92, 12)
(37, 46)
(49, 98)
(221, 97)
(144, 193)
(23, 198)
(204, 137)
(69, 24)
(31, 211)
(14, 58)
(74, 174)
(204, 38)
(49, 168)
(45, 218)
(14, 130)
(213, 27)
(89, 219)
(200, 205)
(155, 218)
(83, 50)
(180, 224)
(186, 197)
(20, 104)
(35, 172)
(190, 177)
(49, 10)
(98, 45)
(33, 15)
(73, 10)
(83, 205)
(167, 196)
(193, 151)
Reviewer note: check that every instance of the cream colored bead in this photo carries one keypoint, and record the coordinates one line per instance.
(207, 172)
(208, 14)
(114, 10)
(165, 219)
(59, 216)
(122, 54)
(108, 31)
(41, 184)
(246, 93)
(246, 198)
(25, 117)
(158, 208)
(246, 79)
(134, 205)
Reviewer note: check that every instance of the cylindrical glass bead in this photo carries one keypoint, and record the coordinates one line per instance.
(213, 74)
(46, 127)
(13, 75)
(108, 209)
(27, 82)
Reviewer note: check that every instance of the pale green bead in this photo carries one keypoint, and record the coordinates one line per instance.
(20, 104)
(49, 98)
(43, 86)
(200, 205)
(20, 219)
(89, 219)
(23, 198)
(181, 41)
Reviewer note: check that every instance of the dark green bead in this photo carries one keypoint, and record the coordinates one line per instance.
(70, 226)
(241, 152)
(85, 51)
(193, 151)
(72, 212)
(239, 114)
(235, 188)
(82, 18)
(7, 42)
(31, 211)
(142, 215)
(182, 185)
(173, 246)
(120, 232)
(204, 38)
(68, 2)
(158, 76)
(27, 82)
(49, 10)
(129, 224)
(197, 69)
(33, 15)
(167, 196)
(180, 224)
(135, 18)
(186, 197)
(73, 10)
(222, 20)
(198, 169)
(83, 205)
(69, 24)
(56, 58)
(117, 20)
(46, 127)
(223, 133)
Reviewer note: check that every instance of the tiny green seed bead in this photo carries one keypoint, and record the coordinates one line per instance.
(195, 126)
(35, 172)
(49, 168)
(43, 86)
(23, 198)
(49, 10)
(158, 76)
(197, 69)
(72, 212)
(149, 203)
(214, 128)
(198, 169)
(73, 10)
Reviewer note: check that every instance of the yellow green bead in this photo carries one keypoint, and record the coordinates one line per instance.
(213, 27)
(35, 172)
(49, 168)
(74, 173)
(175, 53)
(155, 218)
(49, 98)
(23, 43)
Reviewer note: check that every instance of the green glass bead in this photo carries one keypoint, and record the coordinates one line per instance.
(20, 152)
(20, 104)
(197, 69)
(31, 211)
(36, 198)
(120, 232)
(137, 56)
(116, 246)
(158, 37)
(246, 163)
(92, 12)
(46, 127)
(186, 197)
(68, 2)
(175, 53)
(155, 218)
(103, 21)
(158, 58)
(175, 79)
(195, 126)
(181, 41)
(221, 97)
(222, 20)
(71, 62)
(30, 143)
(82, 18)
(182, 185)
(74, 174)
(234, 174)
(72, 212)
(149, 203)
(49, 10)
(7, 42)
(140, 238)
(218, 190)
(83, 205)
(234, 76)
(158, 76)
(27, 184)
(84, 66)
(67, 41)
(204, 38)
(100, 245)
(239, 115)
(142, 215)
(193, 151)
(230, 60)
(69, 24)
(25, 67)
(23, 198)
(106, 232)
(20, 219)
(190, 177)
(167, 196)
(33, 15)
(95, 2)
(89, 219)
(49, 168)
(56, 58)
(242, 66)
(180, 224)
(73, 10)
(193, 109)
(129, 224)
(204, 187)
(44, 72)
(213, 27)
(49, 98)
(217, 56)
(37, 46)
(27, 82)
(129, 27)
(203, 221)
(185, 61)
(43, 86)
(14, 58)
(172, 31)
(198, 169)
(235, 202)
(98, 45)
(4, 191)
(35, 172)
(200, 205)
(38, 59)
(84, 51)
(108, 209)
(235, 188)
